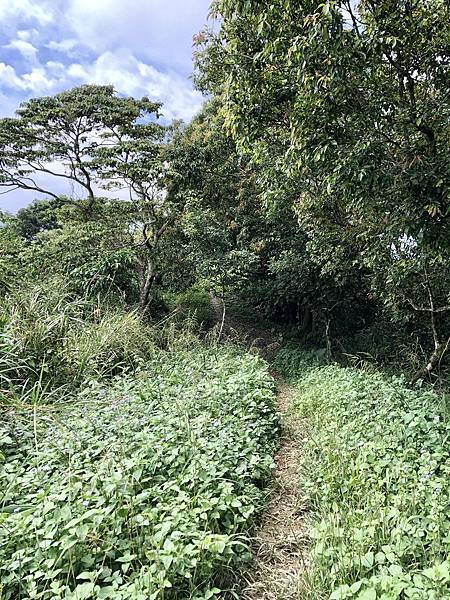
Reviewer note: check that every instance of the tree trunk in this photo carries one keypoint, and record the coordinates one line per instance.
(305, 326)
(440, 348)
(439, 351)
(327, 337)
(147, 281)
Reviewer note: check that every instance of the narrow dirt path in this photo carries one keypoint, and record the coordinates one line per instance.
(279, 542)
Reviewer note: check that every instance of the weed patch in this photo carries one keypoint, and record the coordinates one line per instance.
(376, 471)
(142, 490)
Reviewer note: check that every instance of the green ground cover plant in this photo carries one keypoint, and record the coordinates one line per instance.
(194, 301)
(376, 472)
(140, 490)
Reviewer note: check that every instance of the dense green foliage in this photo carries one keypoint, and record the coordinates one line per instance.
(376, 471)
(342, 110)
(195, 301)
(245, 197)
(313, 189)
(140, 490)
(252, 250)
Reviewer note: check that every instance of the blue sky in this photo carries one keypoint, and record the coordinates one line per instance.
(142, 47)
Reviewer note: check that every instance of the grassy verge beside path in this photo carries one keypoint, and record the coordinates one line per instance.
(376, 469)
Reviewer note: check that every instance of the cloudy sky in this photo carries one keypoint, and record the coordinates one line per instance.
(142, 47)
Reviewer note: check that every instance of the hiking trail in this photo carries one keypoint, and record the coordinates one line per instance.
(279, 541)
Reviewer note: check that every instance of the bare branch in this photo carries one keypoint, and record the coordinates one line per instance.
(435, 310)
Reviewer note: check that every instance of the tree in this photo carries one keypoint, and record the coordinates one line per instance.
(254, 249)
(345, 107)
(355, 98)
(96, 257)
(93, 139)
(62, 137)
(39, 216)
(220, 196)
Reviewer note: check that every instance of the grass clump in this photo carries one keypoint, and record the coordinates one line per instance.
(376, 470)
(51, 338)
(142, 490)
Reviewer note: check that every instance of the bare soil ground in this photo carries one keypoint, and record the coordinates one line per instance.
(280, 541)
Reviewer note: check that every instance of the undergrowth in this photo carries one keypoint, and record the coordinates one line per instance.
(194, 301)
(141, 490)
(53, 342)
(376, 471)
(49, 337)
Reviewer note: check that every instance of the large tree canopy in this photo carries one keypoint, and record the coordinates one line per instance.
(88, 136)
(349, 100)
(344, 107)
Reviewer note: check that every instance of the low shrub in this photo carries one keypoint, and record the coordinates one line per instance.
(142, 490)
(293, 362)
(376, 470)
(194, 301)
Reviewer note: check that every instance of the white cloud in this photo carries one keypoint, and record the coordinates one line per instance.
(9, 77)
(158, 30)
(56, 68)
(26, 10)
(142, 47)
(37, 81)
(134, 78)
(64, 46)
(121, 69)
(77, 71)
(26, 49)
(27, 34)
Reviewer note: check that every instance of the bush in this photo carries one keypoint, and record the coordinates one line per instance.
(376, 471)
(194, 301)
(141, 491)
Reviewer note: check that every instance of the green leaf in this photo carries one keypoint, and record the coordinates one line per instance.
(368, 594)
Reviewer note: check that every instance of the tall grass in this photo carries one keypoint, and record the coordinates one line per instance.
(49, 336)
